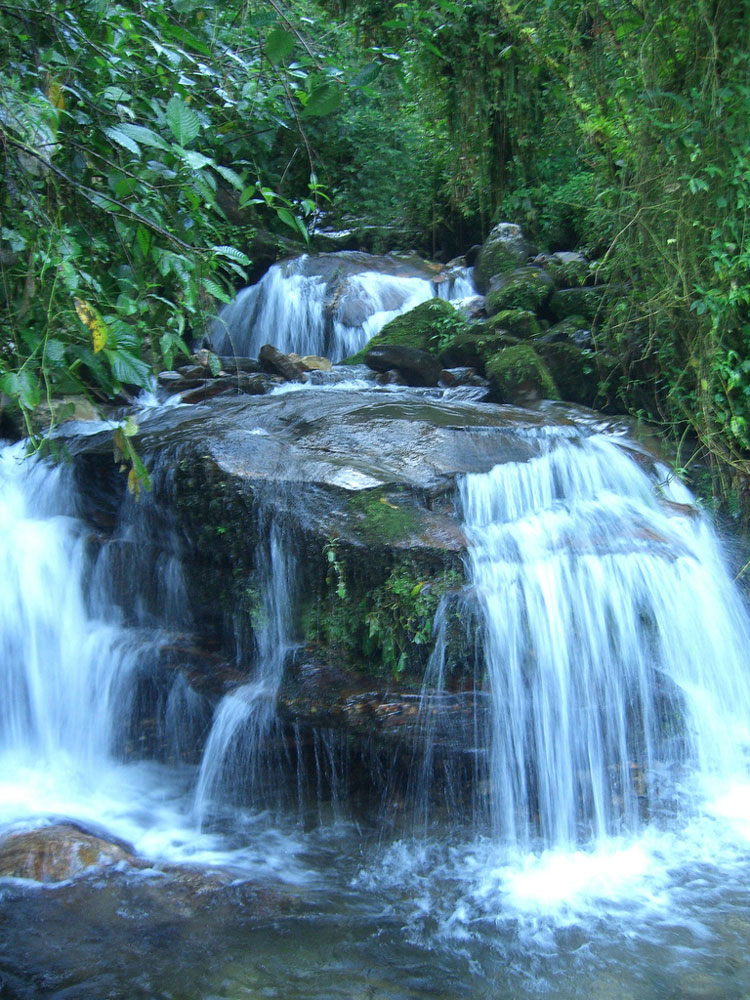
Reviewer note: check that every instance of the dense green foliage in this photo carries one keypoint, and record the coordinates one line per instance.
(133, 139)
(145, 144)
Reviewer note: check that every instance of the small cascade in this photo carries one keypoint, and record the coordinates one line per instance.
(66, 668)
(243, 745)
(331, 305)
(613, 644)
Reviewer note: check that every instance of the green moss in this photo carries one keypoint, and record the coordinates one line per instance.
(574, 371)
(527, 288)
(517, 322)
(427, 327)
(519, 366)
(477, 345)
(381, 517)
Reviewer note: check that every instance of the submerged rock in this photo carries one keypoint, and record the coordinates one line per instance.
(59, 853)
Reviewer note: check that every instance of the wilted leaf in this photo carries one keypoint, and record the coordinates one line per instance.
(90, 317)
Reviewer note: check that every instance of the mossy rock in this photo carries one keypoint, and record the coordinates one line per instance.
(473, 347)
(571, 330)
(503, 250)
(569, 269)
(517, 372)
(575, 372)
(521, 323)
(528, 288)
(427, 327)
(583, 302)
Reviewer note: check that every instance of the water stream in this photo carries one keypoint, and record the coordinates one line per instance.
(606, 851)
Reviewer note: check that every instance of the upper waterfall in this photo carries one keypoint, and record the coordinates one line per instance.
(330, 305)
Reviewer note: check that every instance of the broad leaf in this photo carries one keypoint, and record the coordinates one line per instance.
(122, 139)
(279, 45)
(129, 370)
(183, 122)
(91, 318)
(324, 99)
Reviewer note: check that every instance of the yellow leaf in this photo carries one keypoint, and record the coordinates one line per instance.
(55, 95)
(90, 317)
(388, 503)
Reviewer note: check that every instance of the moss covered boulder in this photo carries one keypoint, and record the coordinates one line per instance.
(476, 345)
(518, 374)
(571, 330)
(574, 371)
(522, 288)
(504, 249)
(427, 327)
(586, 302)
(520, 323)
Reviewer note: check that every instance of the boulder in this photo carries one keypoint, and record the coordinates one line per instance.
(567, 268)
(58, 853)
(427, 327)
(571, 330)
(521, 323)
(273, 361)
(504, 249)
(476, 345)
(313, 363)
(574, 371)
(586, 302)
(416, 367)
(518, 375)
(527, 288)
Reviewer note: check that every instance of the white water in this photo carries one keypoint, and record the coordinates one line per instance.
(615, 646)
(302, 313)
(69, 682)
(239, 759)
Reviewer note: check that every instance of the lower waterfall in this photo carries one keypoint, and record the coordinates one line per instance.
(590, 838)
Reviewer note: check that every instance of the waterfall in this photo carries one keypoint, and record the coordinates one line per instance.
(242, 751)
(66, 667)
(307, 305)
(613, 643)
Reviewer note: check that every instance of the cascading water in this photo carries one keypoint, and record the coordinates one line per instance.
(300, 309)
(613, 645)
(241, 756)
(609, 851)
